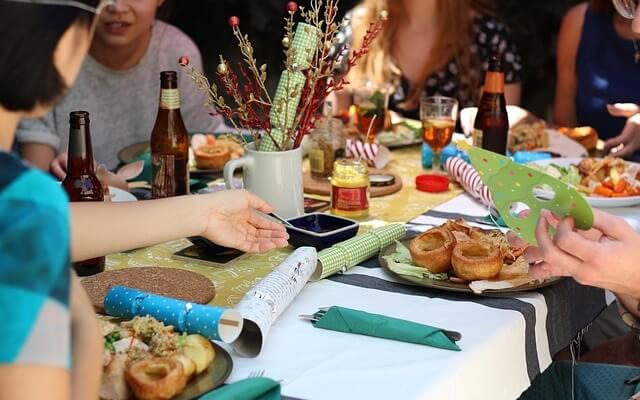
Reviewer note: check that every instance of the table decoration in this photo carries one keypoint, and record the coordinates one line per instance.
(262, 305)
(514, 186)
(342, 256)
(375, 155)
(469, 179)
(347, 320)
(258, 388)
(214, 323)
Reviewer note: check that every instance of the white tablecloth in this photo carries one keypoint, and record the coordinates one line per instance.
(505, 343)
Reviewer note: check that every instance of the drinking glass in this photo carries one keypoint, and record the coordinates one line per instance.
(438, 115)
(371, 101)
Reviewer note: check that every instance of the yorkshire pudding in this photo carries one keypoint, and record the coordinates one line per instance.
(432, 250)
(212, 156)
(476, 260)
(156, 378)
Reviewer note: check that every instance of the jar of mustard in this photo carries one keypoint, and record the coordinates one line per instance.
(350, 189)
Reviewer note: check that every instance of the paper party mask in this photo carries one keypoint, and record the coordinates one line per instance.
(513, 185)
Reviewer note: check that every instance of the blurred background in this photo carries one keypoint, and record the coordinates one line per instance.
(534, 26)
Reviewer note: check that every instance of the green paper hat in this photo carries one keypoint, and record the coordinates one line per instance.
(513, 185)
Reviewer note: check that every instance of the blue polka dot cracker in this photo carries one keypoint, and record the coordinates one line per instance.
(214, 323)
(516, 187)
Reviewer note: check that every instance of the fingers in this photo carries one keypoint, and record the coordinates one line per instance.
(552, 254)
(623, 109)
(612, 226)
(261, 222)
(59, 166)
(571, 242)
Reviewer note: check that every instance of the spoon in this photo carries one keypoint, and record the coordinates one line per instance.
(279, 218)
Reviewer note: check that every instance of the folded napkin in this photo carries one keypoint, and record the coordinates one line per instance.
(247, 389)
(354, 321)
(349, 253)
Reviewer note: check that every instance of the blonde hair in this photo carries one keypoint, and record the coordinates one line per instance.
(453, 41)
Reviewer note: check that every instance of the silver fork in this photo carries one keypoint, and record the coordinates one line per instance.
(256, 374)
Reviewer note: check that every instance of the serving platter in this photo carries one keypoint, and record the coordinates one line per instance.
(211, 378)
(595, 201)
(453, 286)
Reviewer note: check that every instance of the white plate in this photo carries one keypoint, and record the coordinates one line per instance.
(119, 195)
(595, 201)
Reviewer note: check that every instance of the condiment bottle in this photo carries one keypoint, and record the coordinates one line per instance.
(350, 189)
(327, 143)
(169, 143)
(81, 182)
(492, 123)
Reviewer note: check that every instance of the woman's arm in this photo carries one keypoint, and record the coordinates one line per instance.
(512, 92)
(87, 345)
(39, 155)
(24, 381)
(230, 218)
(564, 108)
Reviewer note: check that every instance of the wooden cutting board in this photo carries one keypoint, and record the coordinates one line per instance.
(323, 187)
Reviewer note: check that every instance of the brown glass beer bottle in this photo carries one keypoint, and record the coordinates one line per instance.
(492, 124)
(169, 143)
(81, 182)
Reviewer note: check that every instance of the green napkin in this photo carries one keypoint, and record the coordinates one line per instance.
(349, 253)
(247, 389)
(354, 321)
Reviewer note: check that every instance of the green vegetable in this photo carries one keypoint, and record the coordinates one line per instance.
(182, 340)
(401, 263)
(110, 339)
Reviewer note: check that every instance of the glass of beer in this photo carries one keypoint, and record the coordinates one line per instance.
(371, 102)
(438, 115)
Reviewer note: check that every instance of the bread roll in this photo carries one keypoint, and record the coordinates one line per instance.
(432, 250)
(158, 378)
(476, 260)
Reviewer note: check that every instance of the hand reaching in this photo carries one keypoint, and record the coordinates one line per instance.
(236, 222)
(605, 256)
(59, 166)
(629, 138)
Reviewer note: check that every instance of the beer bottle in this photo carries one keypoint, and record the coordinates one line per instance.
(169, 143)
(492, 124)
(81, 182)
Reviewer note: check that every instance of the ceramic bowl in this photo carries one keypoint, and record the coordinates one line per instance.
(320, 230)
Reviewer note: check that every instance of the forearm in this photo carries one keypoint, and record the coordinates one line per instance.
(37, 154)
(512, 93)
(99, 229)
(87, 345)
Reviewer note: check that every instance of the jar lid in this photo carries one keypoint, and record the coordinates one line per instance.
(381, 180)
(432, 183)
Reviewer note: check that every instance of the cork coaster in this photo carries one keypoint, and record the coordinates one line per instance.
(323, 187)
(170, 282)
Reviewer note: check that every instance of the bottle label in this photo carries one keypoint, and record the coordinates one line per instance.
(477, 137)
(316, 159)
(169, 99)
(349, 199)
(494, 82)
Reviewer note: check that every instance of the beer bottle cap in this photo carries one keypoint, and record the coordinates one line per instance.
(432, 183)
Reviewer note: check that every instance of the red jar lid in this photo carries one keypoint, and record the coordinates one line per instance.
(432, 183)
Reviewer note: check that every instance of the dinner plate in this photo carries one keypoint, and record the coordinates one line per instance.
(120, 196)
(563, 145)
(595, 201)
(211, 378)
(451, 286)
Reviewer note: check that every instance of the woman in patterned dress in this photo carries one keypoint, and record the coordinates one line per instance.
(432, 47)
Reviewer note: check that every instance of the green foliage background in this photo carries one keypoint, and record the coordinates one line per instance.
(534, 25)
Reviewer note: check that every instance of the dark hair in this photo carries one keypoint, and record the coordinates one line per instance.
(601, 6)
(30, 34)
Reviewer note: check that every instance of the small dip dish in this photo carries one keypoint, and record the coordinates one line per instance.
(320, 230)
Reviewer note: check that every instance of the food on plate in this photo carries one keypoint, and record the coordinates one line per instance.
(157, 378)
(585, 135)
(476, 260)
(432, 250)
(148, 358)
(569, 174)
(609, 177)
(463, 251)
(213, 152)
(528, 136)
(212, 156)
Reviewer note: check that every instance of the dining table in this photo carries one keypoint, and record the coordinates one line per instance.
(507, 338)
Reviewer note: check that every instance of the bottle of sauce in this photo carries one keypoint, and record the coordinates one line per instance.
(169, 143)
(492, 124)
(350, 189)
(81, 182)
(326, 144)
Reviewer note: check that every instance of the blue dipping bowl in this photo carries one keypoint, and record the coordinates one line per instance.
(320, 230)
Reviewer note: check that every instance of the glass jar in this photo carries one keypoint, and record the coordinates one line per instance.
(350, 189)
(327, 143)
